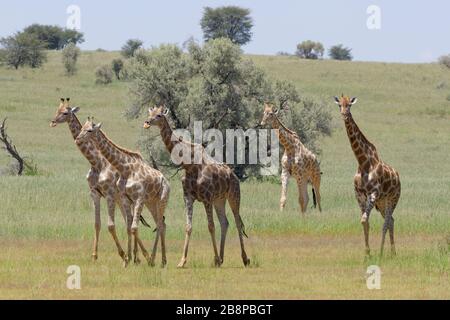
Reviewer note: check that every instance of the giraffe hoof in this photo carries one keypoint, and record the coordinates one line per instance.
(217, 262)
(137, 261)
(246, 262)
(94, 257)
(181, 264)
(151, 263)
(125, 263)
(163, 264)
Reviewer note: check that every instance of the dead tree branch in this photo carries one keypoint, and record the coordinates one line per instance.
(11, 148)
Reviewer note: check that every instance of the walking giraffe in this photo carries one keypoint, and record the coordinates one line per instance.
(376, 183)
(139, 185)
(102, 179)
(297, 161)
(205, 180)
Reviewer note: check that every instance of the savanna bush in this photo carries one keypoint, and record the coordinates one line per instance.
(103, 75)
(70, 56)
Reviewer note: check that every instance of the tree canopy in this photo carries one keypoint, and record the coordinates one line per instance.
(229, 22)
(339, 52)
(23, 49)
(55, 37)
(310, 50)
(130, 47)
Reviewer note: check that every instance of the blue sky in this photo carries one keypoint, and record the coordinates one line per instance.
(411, 31)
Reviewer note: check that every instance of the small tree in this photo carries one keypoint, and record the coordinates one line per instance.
(54, 37)
(130, 47)
(444, 61)
(23, 49)
(339, 52)
(69, 57)
(103, 75)
(229, 22)
(117, 66)
(310, 50)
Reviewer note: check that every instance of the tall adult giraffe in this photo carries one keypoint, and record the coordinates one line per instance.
(207, 181)
(376, 183)
(102, 178)
(297, 161)
(139, 185)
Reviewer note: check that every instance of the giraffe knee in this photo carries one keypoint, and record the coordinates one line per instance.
(189, 229)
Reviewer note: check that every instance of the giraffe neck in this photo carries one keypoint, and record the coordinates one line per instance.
(287, 137)
(365, 152)
(87, 148)
(120, 158)
(166, 135)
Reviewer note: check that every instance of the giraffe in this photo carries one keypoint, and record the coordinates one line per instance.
(102, 178)
(206, 181)
(376, 183)
(139, 185)
(297, 161)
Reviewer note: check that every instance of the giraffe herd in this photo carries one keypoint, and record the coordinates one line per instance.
(123, 178)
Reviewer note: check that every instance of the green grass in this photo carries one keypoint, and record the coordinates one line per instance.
(46, 221)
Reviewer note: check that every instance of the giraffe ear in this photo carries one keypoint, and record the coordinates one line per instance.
(75, 109)
(276, 111)
(336, 100)
(166, 111)
(353, 100)
(98, 126)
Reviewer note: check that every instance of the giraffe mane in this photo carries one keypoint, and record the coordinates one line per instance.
(133, 154)
(286, 128)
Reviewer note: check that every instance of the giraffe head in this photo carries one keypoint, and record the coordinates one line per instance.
(156, 116)
(270, 114)
(64, 112)
(88, 131)
(345, 103)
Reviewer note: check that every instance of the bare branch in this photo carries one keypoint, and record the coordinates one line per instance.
(10, 147)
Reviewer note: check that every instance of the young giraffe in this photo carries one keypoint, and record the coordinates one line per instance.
(139, 185)
(376, 183)
(102, 178)
(297, 160)
(207, 181)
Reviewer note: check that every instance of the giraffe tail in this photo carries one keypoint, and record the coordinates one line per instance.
(314, 198)
(144, 223)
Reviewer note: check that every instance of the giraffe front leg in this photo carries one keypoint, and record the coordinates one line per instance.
(189, 203)
(134, 231)
(391, 236)
(284, 184)
(111, 201)
(302, 195)
(212, 232)
(365, 220)
(388, 225)
(219, 205)
(97, 223)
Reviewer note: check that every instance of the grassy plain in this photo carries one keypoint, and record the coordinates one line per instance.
(46, 221)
